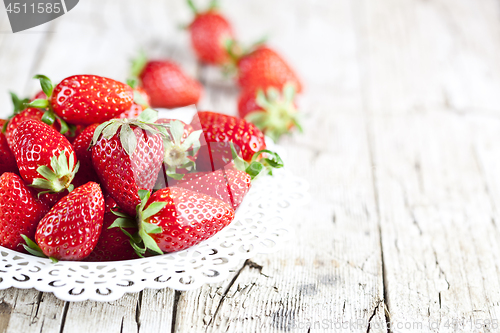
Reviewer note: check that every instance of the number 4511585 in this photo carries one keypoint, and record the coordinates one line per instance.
(40, 8)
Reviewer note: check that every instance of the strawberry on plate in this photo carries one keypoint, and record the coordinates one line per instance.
(263, 68)
(165, 83)
(84, 99)
(71, 228)
(210, 32)
(20, 211)
(45, 158)
(113, 243)
(228, 138)
(174, 219)
(274, 113)
(127, 156)
(7, 159)
(81, 146)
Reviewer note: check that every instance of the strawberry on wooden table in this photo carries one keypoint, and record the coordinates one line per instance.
(71, 228)
(7, 160)
(165, 83)
(264, 68)
(274, 113)
(20, 211)
(127, 155)
(174, 219)
(85, 99)
(210, 32)
(45, 158)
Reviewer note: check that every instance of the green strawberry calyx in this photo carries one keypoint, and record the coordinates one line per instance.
(145, 121)
(49, 116)
(279, 114)
(141, 241)
(35, 250)
(59, 176)
(180, 153)
(212, 6)
(259, 164)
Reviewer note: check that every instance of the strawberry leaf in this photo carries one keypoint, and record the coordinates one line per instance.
(98, 131)
(153, 209)
(39, 104)
(33, 247)
(123, 223)
(19, 104)
(46, 84)
(148, 116)
(49, 117)
(177, 130)
(139, 99)
(138, 64)
(149, 242)
(120, 214)
(151, 228)
(128, 139)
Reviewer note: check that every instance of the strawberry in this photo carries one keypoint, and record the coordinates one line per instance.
(127, 156)
(113, 244)
(20, 211)
(81, 146)
(27, 114)
(45, 158)
(165, 83)
(210, 32)
(180, 152)
(173, 219)
(227, 185)
(273, 113)
(7, 160)
(220, 130)
(71, 228)
(264, 68)
(84, 99)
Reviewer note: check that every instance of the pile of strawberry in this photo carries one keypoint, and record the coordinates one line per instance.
(89, 172)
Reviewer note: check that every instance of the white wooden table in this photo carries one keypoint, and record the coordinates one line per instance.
(401, 148)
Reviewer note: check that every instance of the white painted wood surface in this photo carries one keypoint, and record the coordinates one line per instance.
(401, 148)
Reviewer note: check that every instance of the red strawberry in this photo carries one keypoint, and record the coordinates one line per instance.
(81, 146)
(70, 230)
(85, 99)
(173, 219)
(166, 84)
(273, 113)
(264, 68)
(113, 244)
(30, 113)
(45, 158)
(210, 31)
(227, 185)
(127, 156)
(180, 152)
(222, 128)
(20, 211)
(7, 160)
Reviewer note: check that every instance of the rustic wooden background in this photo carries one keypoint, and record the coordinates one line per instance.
(401, 149)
